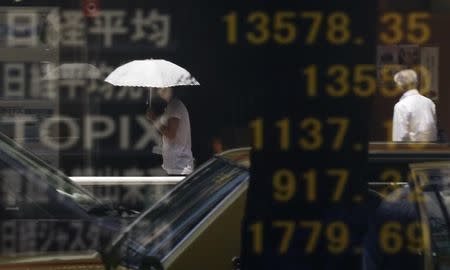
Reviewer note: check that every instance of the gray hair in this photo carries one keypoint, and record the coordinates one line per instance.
(406, 78)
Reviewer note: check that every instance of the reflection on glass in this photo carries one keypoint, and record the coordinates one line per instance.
(158, 231)
(16, 158)
(434, 180)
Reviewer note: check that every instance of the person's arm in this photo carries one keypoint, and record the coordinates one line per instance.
(167, 128)
(434, 127)
(434, 115)
(400, 124)
(170, 130)
(168, 123)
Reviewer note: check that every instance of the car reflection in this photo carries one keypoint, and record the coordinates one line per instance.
(433, 179)
(197, 225)
(164, 228)
(44, 211)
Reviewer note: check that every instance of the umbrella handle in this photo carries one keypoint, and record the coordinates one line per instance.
(149, 98)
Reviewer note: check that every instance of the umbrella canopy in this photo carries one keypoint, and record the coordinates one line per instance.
(155, 73)
(73, 71)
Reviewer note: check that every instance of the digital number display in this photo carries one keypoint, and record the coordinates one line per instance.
(394, 237)
(309, 190)
(314, 27)
(313, 134)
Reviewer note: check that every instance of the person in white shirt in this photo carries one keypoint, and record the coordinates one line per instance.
(414, 115)
(175, 127)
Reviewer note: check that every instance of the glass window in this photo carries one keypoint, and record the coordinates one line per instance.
(316, 83)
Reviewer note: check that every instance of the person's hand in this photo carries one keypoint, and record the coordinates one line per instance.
(151, 116)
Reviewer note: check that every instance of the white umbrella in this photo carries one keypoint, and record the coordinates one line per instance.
(155, 73)
(73, 71)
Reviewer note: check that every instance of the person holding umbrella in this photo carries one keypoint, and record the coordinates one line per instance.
(175, 128)
(173, 124)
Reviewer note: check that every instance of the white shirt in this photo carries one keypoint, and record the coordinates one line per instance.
(176, 152)
(414, 119)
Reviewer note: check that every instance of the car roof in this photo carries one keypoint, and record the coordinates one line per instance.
(240, 156)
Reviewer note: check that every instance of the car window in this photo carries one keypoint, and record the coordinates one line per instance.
(438, 225)
(16, 158)
(165, 225)
(26, 195)
(436, 202)
(20, 198)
